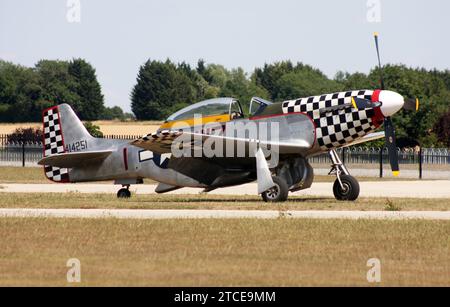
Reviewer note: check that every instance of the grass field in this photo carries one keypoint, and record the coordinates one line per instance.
(204, 201)
(248, 252)
(12, 174)
(106, 126)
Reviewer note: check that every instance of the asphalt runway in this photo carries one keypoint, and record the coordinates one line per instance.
(391, 189)
(220, 214)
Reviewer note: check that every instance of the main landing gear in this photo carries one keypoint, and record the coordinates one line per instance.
(124, 192)
(278, 193)
(345, 187)
(291, 175)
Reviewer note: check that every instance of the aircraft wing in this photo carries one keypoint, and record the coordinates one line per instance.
(285, 146)
(75, 159)
(367, 138)
(158, 142)
(161, 142)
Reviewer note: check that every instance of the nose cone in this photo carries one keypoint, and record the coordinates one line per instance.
(391, 102)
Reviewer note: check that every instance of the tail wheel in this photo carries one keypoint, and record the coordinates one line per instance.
(123, 193)
(349, 189)
(278, 193)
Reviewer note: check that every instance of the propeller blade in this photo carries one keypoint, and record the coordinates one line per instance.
(411, 104)
(389, 133)
(379, 61)
(361, 104)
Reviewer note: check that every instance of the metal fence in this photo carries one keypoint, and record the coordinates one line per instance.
(362, 155)
(29, 151)
(23, 151)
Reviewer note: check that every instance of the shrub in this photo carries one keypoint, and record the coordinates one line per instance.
(28, 135)
(94, 130)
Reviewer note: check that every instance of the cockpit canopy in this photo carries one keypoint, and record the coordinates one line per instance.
(210, 107)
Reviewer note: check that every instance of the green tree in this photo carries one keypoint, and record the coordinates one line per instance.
(71, 82)
(442, 129)
(20, 94)
(268, 76)
(240, 87)
(85, 85)
(303, 82)
(161, 88)
(113, 113)
(356, 81)
(283, 80)
(93, 130)
(57, 84)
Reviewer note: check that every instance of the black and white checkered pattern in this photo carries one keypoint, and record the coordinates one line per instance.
(338, 127)
(53, 140)
(160, 136)
(54, 144)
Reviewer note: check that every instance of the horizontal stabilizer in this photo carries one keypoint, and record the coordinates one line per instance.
(75, 159)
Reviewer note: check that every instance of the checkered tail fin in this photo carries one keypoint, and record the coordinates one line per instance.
(62, 129)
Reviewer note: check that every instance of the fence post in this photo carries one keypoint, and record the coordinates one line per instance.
(420, 163)
(381, 162)
(343, 155)
(23, 153)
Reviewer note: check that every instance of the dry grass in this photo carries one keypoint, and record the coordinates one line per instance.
(107, 127)
(202, 201)
(6, 128)
(282, 252)
(127, 128)
(14, 174)
(11, 174)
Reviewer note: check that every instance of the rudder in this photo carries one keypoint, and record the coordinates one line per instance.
(62, 128)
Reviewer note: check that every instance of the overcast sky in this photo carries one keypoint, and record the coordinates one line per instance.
(116, 37)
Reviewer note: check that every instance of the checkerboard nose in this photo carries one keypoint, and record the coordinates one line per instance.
(392, 102)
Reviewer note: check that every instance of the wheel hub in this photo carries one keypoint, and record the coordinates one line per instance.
(345, 188)
(273, 192)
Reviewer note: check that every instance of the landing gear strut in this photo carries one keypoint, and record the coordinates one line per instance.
(345, 187)
(124, 192)
(278, 193)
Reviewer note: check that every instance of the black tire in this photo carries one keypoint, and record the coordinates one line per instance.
(351, 191)
(123, 193)
(278, 193)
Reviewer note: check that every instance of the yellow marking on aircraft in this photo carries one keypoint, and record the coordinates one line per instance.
(354, 103)
(189, 122)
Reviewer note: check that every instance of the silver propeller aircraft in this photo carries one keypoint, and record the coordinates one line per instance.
(305, 127)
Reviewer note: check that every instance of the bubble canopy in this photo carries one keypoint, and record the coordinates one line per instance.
(210, 107)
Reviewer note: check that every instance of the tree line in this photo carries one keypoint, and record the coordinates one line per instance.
(25, 91)
(163, 87)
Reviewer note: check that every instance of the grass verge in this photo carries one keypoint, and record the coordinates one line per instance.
(12, 174)
(248, 252)
(204, 201)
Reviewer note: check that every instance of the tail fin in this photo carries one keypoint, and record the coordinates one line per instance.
(62, 130)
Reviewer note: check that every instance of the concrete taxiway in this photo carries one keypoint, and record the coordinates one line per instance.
(391, 189)
(220, 214)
